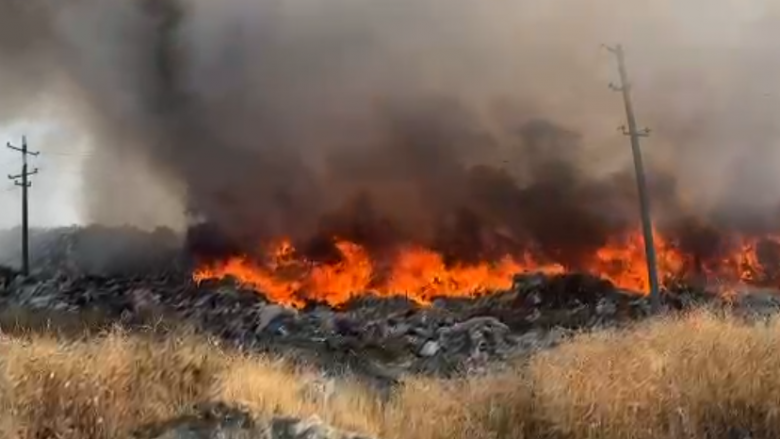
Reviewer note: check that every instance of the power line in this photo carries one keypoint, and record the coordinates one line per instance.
(644, 203)
(70, 154)
(25, 185)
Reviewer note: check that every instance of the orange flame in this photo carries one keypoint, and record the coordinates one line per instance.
(421, 274)
(624, 262)
(418, 273)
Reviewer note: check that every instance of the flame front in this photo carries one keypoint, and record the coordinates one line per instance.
(421, 274)
(418, 273)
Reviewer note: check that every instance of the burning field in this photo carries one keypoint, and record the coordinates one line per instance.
(493, 360)
(410, 311)
(421, 274)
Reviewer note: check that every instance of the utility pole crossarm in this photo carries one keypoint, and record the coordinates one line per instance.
(22, 150)
(644, 202)
(24, 184)
(644, 132)
(14, 177)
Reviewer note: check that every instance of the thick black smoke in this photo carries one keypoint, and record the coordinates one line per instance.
(473, 128)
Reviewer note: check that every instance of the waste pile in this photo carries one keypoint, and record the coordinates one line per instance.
(377, 338)
(380, 338)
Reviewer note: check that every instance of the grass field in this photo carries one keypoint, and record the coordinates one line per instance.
(698, 376)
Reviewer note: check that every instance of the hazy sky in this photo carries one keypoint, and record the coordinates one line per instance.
(54, 194)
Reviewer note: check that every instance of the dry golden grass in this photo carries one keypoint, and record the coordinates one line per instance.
(695, 377)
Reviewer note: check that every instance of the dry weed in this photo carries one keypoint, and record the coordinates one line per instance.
(695, 377)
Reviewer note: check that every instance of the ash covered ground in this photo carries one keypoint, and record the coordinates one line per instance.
(95, 271)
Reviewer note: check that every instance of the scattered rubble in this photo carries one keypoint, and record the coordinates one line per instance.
(378, 338)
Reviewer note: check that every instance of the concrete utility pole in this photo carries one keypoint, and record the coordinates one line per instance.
(644, 203)
(24, 184)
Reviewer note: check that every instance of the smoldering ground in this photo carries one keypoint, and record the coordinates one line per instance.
(402, 120)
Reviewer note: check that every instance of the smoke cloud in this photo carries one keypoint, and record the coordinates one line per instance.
(426, 120)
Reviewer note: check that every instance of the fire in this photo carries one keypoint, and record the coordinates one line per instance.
(422, 274)
(743, 267)
(624, 262)
(418, 273)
